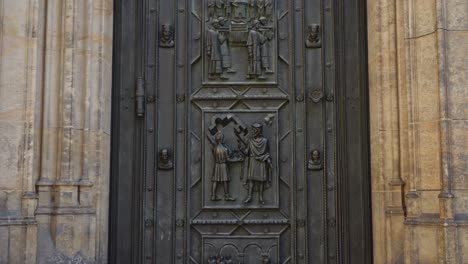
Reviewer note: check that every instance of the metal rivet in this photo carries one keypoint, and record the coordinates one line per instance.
(329, 129)
(327, 9)
(151, 65)
(298, 9)
(181, 10)
(264, 104)
(331, 188)
(150, 189)
(180, 188)
(266, 230)
(328, 64)
(150, 130)
(215, 90)
(299, 130)
(265, 90)
(181, 130)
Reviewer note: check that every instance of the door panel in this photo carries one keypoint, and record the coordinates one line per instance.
(231, 154)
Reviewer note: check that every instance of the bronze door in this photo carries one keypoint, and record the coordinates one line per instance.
(231, 142)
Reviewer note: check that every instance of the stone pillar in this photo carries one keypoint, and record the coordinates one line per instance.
(389, 127)
(74, 180)
(419, 108)
(19, 60)
(55, 98)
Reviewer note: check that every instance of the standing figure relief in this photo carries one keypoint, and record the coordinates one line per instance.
(250, 162)
(218, 51)
(259, 164)
(222, 155)
(258, 49)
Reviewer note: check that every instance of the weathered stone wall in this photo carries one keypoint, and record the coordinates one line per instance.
(55, 85)
(418, 71)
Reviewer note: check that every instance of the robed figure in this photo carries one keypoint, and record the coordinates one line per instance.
(213, 51)
(260, 8)
(258, 51)
(258, 164)
(225, 49)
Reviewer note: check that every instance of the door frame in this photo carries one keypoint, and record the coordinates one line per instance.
(351, 227)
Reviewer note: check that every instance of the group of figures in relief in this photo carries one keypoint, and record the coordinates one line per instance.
(227, 259)
(241, 23)
(254, 151)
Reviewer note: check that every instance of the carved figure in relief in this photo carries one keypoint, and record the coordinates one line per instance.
(251, 10)
(217, 50)
(220, 259)
(228, 259)
(224, 46)
(164, 160)
(228, 9)
(219, 8)
(238, 9)
(212, 260)
(315, 161)
(167, 36)
(260, 8)
(258, 49)
(211, 9)
(313, 39)
(221, 155)
(259, 164)
(269, 10)
(266, 260)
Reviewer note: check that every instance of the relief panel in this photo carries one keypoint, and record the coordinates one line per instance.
(239, 159)
(239, 118)
(240, 41)
(240, 249)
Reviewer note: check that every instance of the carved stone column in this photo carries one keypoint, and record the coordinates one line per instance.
(55, 87)
(418, 114)
(74, 155)
(19, 89)
(389, 118)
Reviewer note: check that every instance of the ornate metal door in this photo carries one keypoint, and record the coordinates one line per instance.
(233, 147)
